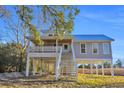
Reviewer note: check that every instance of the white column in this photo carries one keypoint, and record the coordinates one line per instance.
(83, 68)
(62, 69)
(45, 68)
(96, 69)
(48, 68)
(27, 66)
(102, 69)
(91, 68)
(112, 70)
(40, 68)
(34, 67)
(56, 72)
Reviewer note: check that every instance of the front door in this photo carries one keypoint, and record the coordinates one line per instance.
(65, 47)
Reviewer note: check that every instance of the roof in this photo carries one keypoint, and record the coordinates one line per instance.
(92, 37)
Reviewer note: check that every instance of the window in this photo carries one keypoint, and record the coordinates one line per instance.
(54, 45)
(83, 48)
(95, 48)
(65, 47)
(50, 34)
(106, 48)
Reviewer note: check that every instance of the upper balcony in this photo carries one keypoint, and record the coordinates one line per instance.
(43, 51)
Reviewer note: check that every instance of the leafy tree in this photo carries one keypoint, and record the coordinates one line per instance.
(10, 58)
(118, 63)
(107, 65)
(56, 19)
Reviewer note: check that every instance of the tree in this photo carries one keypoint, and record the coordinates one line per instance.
(118, 63)
(107, 65)
(57, 19)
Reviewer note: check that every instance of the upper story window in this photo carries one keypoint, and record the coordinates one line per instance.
(106, 48)
(95, 48)
(83, 48)
(50, 34)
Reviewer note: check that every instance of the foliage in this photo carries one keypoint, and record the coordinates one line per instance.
(60, 19)
(118, 63)
(26, 15)
(10, 58)
(107, 64)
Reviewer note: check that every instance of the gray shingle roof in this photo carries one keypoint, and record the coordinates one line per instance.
(92, 37)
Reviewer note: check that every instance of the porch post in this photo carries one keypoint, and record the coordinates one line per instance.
(48, 68)
(56, 73)
(112, 70)
(96, 69)
(27, 66)
(62, 69)
(102, 69)
(34, 67)
(83, 68)
(91, 68)
(41, 68)
(45, 67)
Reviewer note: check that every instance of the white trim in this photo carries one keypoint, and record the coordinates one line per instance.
(97, 48)
(85, 48)
(91, 59)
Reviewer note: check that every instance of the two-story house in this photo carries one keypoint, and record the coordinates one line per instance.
(65, 54)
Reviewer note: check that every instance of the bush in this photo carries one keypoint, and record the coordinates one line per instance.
(11, 58)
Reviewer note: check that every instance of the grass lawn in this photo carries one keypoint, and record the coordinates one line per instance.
(100, 81)
(84, 80)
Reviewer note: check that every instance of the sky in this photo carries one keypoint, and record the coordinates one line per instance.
(107, 20)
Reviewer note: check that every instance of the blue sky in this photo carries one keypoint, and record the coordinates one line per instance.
(107, 20)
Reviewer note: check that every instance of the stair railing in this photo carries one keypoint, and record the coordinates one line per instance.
(58, 64)
(74, 59)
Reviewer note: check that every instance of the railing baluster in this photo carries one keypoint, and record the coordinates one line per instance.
(43, 49)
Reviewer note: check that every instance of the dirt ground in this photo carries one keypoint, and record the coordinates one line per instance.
(37, 82)
(84, 81)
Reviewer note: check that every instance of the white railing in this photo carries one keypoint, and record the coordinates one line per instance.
(58, 64)
(74, 59)
(44, 49)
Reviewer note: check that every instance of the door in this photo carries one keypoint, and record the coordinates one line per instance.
(65, 47)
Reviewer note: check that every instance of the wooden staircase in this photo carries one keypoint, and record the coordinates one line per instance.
(67, 66)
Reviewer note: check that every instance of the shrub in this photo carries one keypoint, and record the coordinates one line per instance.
(11, 58)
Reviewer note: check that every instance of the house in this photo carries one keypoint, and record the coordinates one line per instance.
(65, 54)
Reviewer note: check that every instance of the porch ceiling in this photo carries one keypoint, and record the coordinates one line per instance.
(54, 41)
